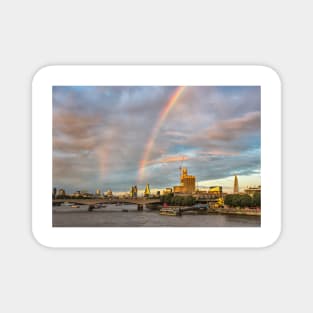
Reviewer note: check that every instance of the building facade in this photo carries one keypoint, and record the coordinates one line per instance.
(167, 191)
(61, 193)
(215, 192)
(133, 191)
(187, 183)
(252, 190)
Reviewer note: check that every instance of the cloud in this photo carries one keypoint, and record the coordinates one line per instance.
(100, 134)
(232, 129)
(169, 159)
(230, 136)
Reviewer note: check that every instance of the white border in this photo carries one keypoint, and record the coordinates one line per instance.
(130, 75)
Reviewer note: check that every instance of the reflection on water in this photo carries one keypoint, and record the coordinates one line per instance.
(115, 216)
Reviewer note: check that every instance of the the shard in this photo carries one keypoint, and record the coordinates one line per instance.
(236, 186)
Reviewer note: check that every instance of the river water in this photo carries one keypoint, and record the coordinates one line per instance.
(113, 216)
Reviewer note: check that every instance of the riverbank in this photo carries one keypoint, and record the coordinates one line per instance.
(245, 211)
(227, 210)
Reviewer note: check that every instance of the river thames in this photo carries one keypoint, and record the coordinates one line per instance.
(128, 216)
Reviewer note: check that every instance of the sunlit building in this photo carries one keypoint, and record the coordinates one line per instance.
(134, 191)
(167, 191)
(61, 193)
(201, 192)
(251, 190)
(87, 194)
(187, 183)
(77, 193)
(215, 192)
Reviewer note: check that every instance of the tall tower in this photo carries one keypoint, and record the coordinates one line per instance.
(183, 174)
(236, 186)
(188, 182)
(147, 191)
(133, 191)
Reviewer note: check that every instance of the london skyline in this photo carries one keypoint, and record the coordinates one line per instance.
(115, 137)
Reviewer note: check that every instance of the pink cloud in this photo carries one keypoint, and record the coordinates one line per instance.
(169, 159)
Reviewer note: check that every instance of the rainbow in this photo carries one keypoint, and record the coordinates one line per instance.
(162, 117)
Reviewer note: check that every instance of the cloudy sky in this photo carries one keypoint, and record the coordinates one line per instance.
(115, 137)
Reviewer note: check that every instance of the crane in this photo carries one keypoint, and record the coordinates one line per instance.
(181, 166)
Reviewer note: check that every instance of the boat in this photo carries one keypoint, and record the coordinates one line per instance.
(74, 206)
(170, 211)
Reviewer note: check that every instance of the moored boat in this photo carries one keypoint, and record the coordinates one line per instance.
(170, 211)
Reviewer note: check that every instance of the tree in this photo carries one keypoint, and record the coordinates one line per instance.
(229, 200)
(168, 198)
(256, 199)
(245, 201)
(171, 200)
(185, 200)
(178, 200)
(236, 200)
(189, 200)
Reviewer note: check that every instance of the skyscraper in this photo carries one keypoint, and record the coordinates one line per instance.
(133, 191)
(236, 186)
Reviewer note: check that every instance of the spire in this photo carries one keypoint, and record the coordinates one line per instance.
(236, 186)
(147, 191)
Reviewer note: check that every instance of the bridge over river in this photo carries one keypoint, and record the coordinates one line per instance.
(93, 202)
